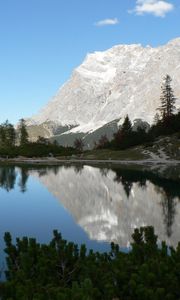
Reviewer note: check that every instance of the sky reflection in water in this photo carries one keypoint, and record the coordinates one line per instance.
(87, 204)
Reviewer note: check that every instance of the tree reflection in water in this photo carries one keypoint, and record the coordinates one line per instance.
(24, 174)
(169, 190)
(169, 211)
(8, 176)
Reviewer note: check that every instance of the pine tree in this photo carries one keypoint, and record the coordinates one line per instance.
(167, 99)
(2, 136)
(23, 133)
(78, 144)
(10, 135)
(126, 126)
(7, 134)
(103, 142)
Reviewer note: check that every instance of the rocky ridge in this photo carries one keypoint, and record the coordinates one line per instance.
(107, 86)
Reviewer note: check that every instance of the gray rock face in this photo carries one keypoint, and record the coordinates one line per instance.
(90, 138)
(125, 79)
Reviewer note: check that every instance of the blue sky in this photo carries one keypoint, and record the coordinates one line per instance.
(42, 41)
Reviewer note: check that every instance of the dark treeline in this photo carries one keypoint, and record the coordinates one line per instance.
(15, 142)
(61, 270)
(166, 122)
(9, 136)
(125, 137)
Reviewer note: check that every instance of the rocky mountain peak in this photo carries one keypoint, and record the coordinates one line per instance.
(108, 85)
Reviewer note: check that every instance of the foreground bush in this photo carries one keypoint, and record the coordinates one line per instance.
(62, 271)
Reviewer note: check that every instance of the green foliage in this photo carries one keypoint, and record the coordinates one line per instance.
(166, 124)
(40, 150)
(23, 134)
(165, 127)
(62, 270)
(126, 126)
(167, 99)
(7, 135)
(102, 143)
(36, 150)
(13, 144)
(125, 137)
(78, 144)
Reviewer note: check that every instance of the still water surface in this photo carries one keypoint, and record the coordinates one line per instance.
(87, 204)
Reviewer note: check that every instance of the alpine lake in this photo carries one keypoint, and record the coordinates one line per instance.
(89, 204)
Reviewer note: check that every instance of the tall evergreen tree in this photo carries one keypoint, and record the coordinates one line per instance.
(78, 144)
(126, 126)
(23, 133)
(7, 134)
(2, 136)
(10, 135)
(167, 98)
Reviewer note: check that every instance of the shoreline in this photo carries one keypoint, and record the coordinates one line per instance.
(55, 161)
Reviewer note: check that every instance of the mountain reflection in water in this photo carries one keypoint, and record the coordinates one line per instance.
(108, 203)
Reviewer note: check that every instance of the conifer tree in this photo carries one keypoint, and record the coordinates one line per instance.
(7, 134)
(10, 135)
(167, 98)
(126, 126)
(23, 133)
(2, 136)
(103, 142)
(78, 144)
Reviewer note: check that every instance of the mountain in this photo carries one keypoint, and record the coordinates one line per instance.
(107, 86)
